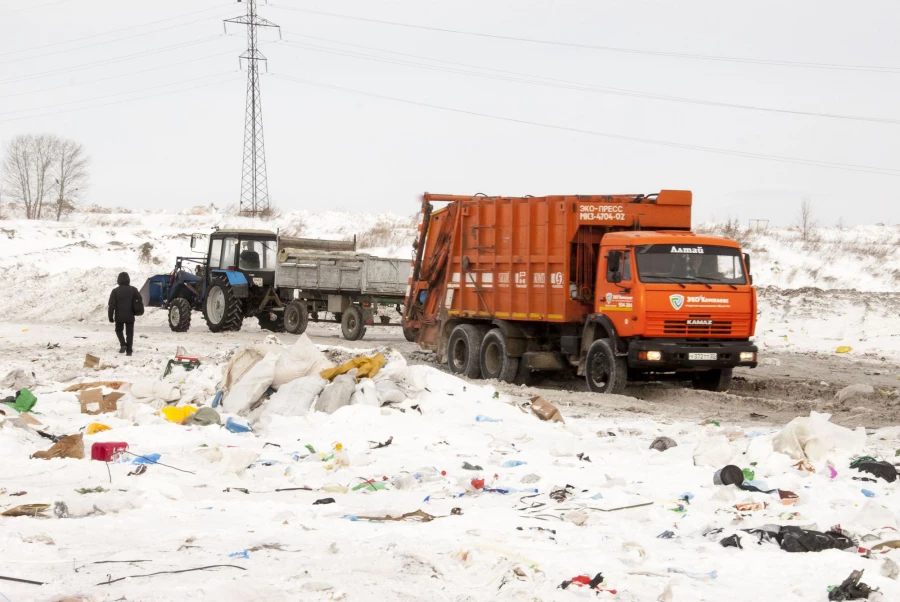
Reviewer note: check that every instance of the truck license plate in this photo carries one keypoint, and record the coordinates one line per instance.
(702, 356)
(257, 282)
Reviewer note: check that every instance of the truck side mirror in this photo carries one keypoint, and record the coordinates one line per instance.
(614, 266)
(193, 242)
(747, 263)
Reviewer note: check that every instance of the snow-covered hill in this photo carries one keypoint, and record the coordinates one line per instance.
(839, 287)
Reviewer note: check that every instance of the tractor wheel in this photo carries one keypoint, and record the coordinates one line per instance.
(296, 317)
(718, 379)
(267, 323)
(352, 325)
(495, 360)
(179, 315)
(603, 370)
(464, 350)
(222, 310)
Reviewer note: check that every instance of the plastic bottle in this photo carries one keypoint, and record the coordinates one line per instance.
(483, 418)
(428, 474)
(237, 426)
(868, 493)
(341, 457)
(403, 481)
(513, 463)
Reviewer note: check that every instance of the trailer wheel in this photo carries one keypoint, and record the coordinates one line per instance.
(222, 310)
(464, 350)
(352, 325)
(495, 360)
(718, 379)
(604, 372)
(296, 317)
(179, 315)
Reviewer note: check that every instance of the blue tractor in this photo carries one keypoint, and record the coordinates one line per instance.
(234, 280)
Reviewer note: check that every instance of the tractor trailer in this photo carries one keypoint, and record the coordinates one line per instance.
(613, 288)
(282, 282)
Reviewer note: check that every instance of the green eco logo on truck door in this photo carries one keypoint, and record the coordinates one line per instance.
(677, 301)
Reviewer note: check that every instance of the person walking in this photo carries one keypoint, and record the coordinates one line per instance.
(124, 304)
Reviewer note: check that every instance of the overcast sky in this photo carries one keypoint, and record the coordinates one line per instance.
(164, 127)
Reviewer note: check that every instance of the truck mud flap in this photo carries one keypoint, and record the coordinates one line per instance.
(544, 360)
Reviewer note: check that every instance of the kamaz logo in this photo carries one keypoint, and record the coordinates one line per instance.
(699, 322)
(687, 250)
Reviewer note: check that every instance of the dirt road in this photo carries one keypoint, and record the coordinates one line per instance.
(786, 385)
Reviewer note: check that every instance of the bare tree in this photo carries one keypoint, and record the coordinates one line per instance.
(27, 171)
(70, 169)
(807, 221)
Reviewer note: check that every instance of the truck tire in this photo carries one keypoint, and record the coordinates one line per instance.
(464, 350)
(266, 323)
(718, 379)
(410, 333)
(603, 370)
(494, 358)
(179, 315)
(296, 317)
(352, 325)
(221, 309)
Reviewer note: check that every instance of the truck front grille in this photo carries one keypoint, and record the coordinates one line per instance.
(697, 325)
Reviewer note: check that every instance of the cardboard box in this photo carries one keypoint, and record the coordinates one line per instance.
(93, 401)
(91, 361)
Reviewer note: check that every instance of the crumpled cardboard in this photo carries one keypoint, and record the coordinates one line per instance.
(93, 401)
(545, 410)
(67, 447)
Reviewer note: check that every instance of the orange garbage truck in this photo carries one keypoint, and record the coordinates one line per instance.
(611, 287)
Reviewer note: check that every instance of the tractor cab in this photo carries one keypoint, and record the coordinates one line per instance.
(251, 253)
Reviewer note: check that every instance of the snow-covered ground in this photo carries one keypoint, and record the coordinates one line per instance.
(505, 542)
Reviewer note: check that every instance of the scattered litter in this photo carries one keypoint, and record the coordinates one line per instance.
(324, 500)
(867, 493)
(880, 468)
(23, 402)
(36, 510)
(729, 475)
(366, 367)
(94, 402)
(843, 349)
(751, 506)
(202, 568)
(851, 588)
(237, 425)
(663, 443)
(96, 427)
(91, 361)
(203, 417)
(467, 466)
(545, 410)
(890, 569)
(376, 445)
(177, 414)
(813, 438)
(852, 391)
(732, 541)
(108, 451)
(483, 418)
(67, 447)
(85, 490)
(418, 517)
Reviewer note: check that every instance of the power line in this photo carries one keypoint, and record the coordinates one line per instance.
(62, 104)
(705, 57)
(561, 83)
(119, 101)
(695, 147)
(137, 35)
(118, 75)
(126, 57)
(106, 33)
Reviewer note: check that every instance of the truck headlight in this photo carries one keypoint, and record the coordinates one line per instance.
(652, 356)
(748, 356)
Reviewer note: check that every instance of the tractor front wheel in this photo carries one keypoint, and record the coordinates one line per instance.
(179, 315)
(222, 310)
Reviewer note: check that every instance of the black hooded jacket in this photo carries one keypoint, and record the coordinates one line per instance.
(121, 300)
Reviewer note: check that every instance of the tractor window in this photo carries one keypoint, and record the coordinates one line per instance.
(257, 255)
(215, 254)
(228, 249)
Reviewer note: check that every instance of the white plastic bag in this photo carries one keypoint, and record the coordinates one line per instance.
(251, 387)
(155, 389)
(337, 394)
(365, 394)
(240, 363)
(814, 438)
(295, 398)
(714, 452)
(301, 359)
(389, 392)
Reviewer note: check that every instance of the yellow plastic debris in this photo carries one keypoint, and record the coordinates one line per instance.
(177, 414)
(96, 427)
(368, 367)
(843, 349)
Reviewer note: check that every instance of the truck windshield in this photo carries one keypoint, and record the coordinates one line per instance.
(707, 264)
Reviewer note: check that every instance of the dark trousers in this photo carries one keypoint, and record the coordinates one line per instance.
(127, 340)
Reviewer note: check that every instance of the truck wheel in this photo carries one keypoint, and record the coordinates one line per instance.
(495, 361)
(179, 315)
(604, 372)
(296, 317)
(266, 323)
(714, 380)
(222, 310)
(464, 350)
(410, 333)
(352, 325)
